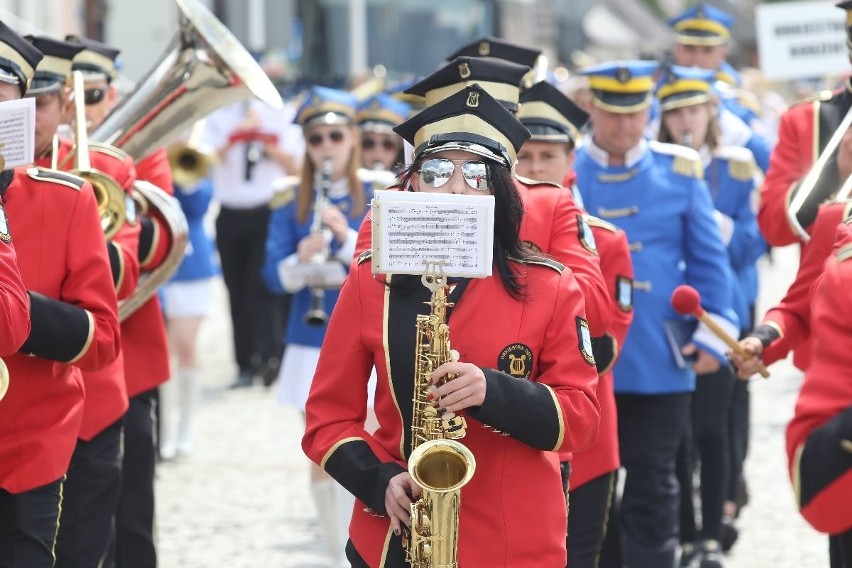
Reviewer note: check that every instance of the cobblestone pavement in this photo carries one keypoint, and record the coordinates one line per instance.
(241, 499)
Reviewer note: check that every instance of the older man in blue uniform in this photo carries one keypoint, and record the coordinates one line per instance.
(656, 194)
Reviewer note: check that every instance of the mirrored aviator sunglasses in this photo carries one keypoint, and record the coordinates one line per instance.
(437, 172)
(93, 96)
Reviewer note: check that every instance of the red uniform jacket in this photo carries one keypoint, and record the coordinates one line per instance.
(825, 394)
(146, 349)
(792, 316)
(554, 225)
(617, 268)
(106, 391)
(64, 264)
(802, 134)
(540, 394)
(14, 303)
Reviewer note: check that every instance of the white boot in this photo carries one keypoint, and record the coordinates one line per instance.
(324, 493)
(167, 402)
(188, 392)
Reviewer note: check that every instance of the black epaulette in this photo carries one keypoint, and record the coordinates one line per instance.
(600, 223)
(528, 181)
(364, 257)
(56, 176)
(845, 253)
(542, 260)
(109, 150)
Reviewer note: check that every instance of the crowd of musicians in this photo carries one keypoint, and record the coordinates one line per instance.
(609, 426)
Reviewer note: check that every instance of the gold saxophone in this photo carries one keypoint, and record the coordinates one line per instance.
(438, 464)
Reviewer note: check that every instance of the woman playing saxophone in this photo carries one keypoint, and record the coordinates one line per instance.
(521, 372)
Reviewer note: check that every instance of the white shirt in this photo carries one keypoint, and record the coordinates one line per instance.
(231, 187)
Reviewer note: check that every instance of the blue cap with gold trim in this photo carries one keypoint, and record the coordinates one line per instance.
(622, 86)
(381, 112)
(18, 59)
(684, 86)
(470, 120)
(549, 115)
(500, 78)
(54, 69)
(327, 106)
(702, 24)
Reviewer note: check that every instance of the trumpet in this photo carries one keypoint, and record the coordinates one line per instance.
(317, 315)
(191, 161)
(108, 193)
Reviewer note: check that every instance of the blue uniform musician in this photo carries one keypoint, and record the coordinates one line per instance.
(655, 193)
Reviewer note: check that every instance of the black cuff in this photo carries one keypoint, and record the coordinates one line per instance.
(826, 456)
(356, 467)
(524, 410)
(147, 234)
(765, 333)
(60, 331)
(603, 349)
(116, 262)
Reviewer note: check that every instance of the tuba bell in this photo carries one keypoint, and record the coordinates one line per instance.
(108, 193)
(205, 68)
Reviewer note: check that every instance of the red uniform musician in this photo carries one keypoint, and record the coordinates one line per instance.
(13, 293)
(803, 133)
(819, 437)
(63, 261)
(787, 326)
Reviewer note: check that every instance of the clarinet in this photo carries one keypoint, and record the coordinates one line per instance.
(316, 315)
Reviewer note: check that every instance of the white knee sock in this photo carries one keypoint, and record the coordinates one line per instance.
(188, 390)
(325, 494)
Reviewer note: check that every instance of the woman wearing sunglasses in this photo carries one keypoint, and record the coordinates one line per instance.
(524, 378)
(689, 118)
(381, 147)
(330, 169)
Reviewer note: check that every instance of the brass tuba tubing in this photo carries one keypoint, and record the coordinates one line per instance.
(108, 193)
(4, 379)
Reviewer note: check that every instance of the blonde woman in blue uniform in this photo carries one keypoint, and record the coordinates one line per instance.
(689, 118)
(655, 193)
(331, 138)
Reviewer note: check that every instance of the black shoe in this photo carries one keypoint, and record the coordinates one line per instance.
(244, 379)
(269, 372)
(730, 533)
(710, 555)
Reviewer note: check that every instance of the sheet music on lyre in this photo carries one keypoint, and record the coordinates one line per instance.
(410, 228)
(17, 132)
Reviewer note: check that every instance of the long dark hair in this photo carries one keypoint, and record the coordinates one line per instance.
(508, 214)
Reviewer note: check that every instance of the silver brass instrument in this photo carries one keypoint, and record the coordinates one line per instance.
(438, 464)
(316, 315)
(109, 194)
(191, 160)
(158, 203)
(204, 69)
(809, 183)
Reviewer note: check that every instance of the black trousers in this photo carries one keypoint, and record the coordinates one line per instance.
(650, 430)
(587, 519)
(706, 444)
(738, 438)
(28, 525)
(257, 315)
(840, 550)
(132, 545)
(89, 500)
